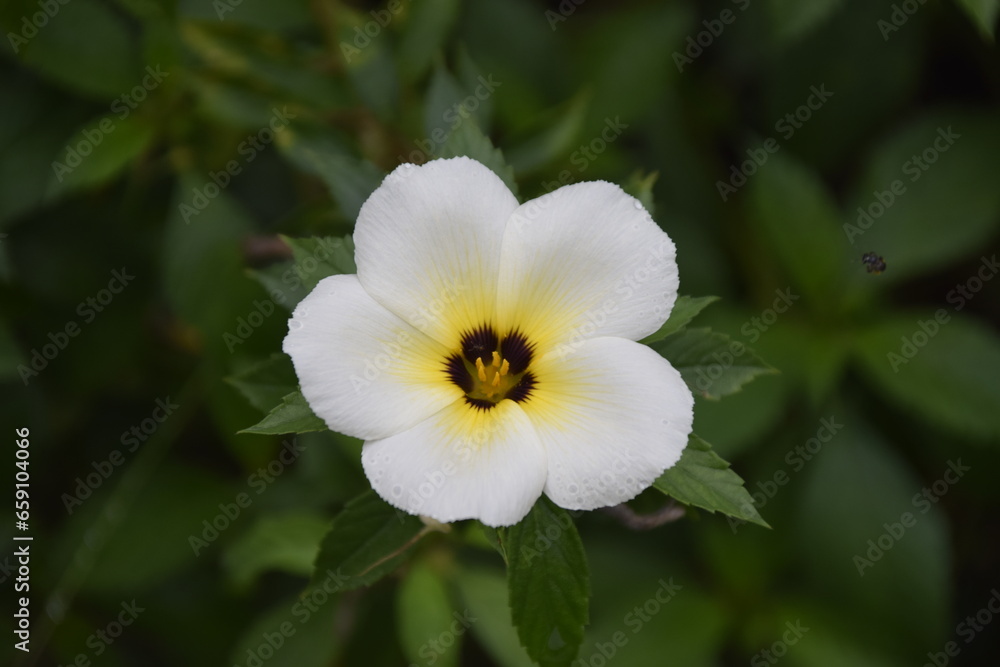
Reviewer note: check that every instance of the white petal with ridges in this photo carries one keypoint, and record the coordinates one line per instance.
(428, 245)
(612, 415)
(583, 261)
(363, 370)
(462, 463)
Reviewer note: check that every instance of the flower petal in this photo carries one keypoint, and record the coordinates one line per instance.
(428, 245)
(363, 370)
(462, 463)
(612, 416)
(585, 260)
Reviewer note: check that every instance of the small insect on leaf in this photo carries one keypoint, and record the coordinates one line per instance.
(874, 263)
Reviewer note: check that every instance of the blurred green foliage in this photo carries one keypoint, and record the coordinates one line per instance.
(176, 140)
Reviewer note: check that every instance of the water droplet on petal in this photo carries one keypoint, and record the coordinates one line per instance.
(397, 491)
(294, 325)
(407, 166)
(302, 312)
(638, 205)
(573, 488)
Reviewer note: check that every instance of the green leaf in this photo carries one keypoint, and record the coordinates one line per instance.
(427, 26)
(685, 310)
(983, 13)
(161, 535)
(313, 259)
(199, 250)
(641, 187)
(293, 416)
(548, 582)
(112, 145)
(369, 63)
(484, 592)
(468, 140)
(66, 49)
(942, 366)
(711, 364)
(492, 536)
(318, 258)
(303, 630)
(425, 617)
(287, 542)
(944, 205)
(852, 505)
(792, 208)
(266, 382)
(701, 478)
(368, 540)
(551, 135)
(349, 179)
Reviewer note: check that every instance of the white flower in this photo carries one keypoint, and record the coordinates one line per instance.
(485, 351)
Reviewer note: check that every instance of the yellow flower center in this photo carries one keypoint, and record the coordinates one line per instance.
(490, 369)
(494, 380)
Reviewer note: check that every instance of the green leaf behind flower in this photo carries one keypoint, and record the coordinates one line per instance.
(367, 540)
(293, 416)
(548, 582)
(267, 382)
(685, 309)
(701, 478)
(425, 612)
(944, 370)
(711, 363)
(349, 179)
(287, 542)
(468, 140)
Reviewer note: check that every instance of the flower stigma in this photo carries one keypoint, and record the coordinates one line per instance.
(489, 370)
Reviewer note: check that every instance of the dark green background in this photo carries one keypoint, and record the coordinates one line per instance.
(560, 83)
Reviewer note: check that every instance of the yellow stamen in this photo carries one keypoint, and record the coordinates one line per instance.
(496, 358)
(481, 369)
